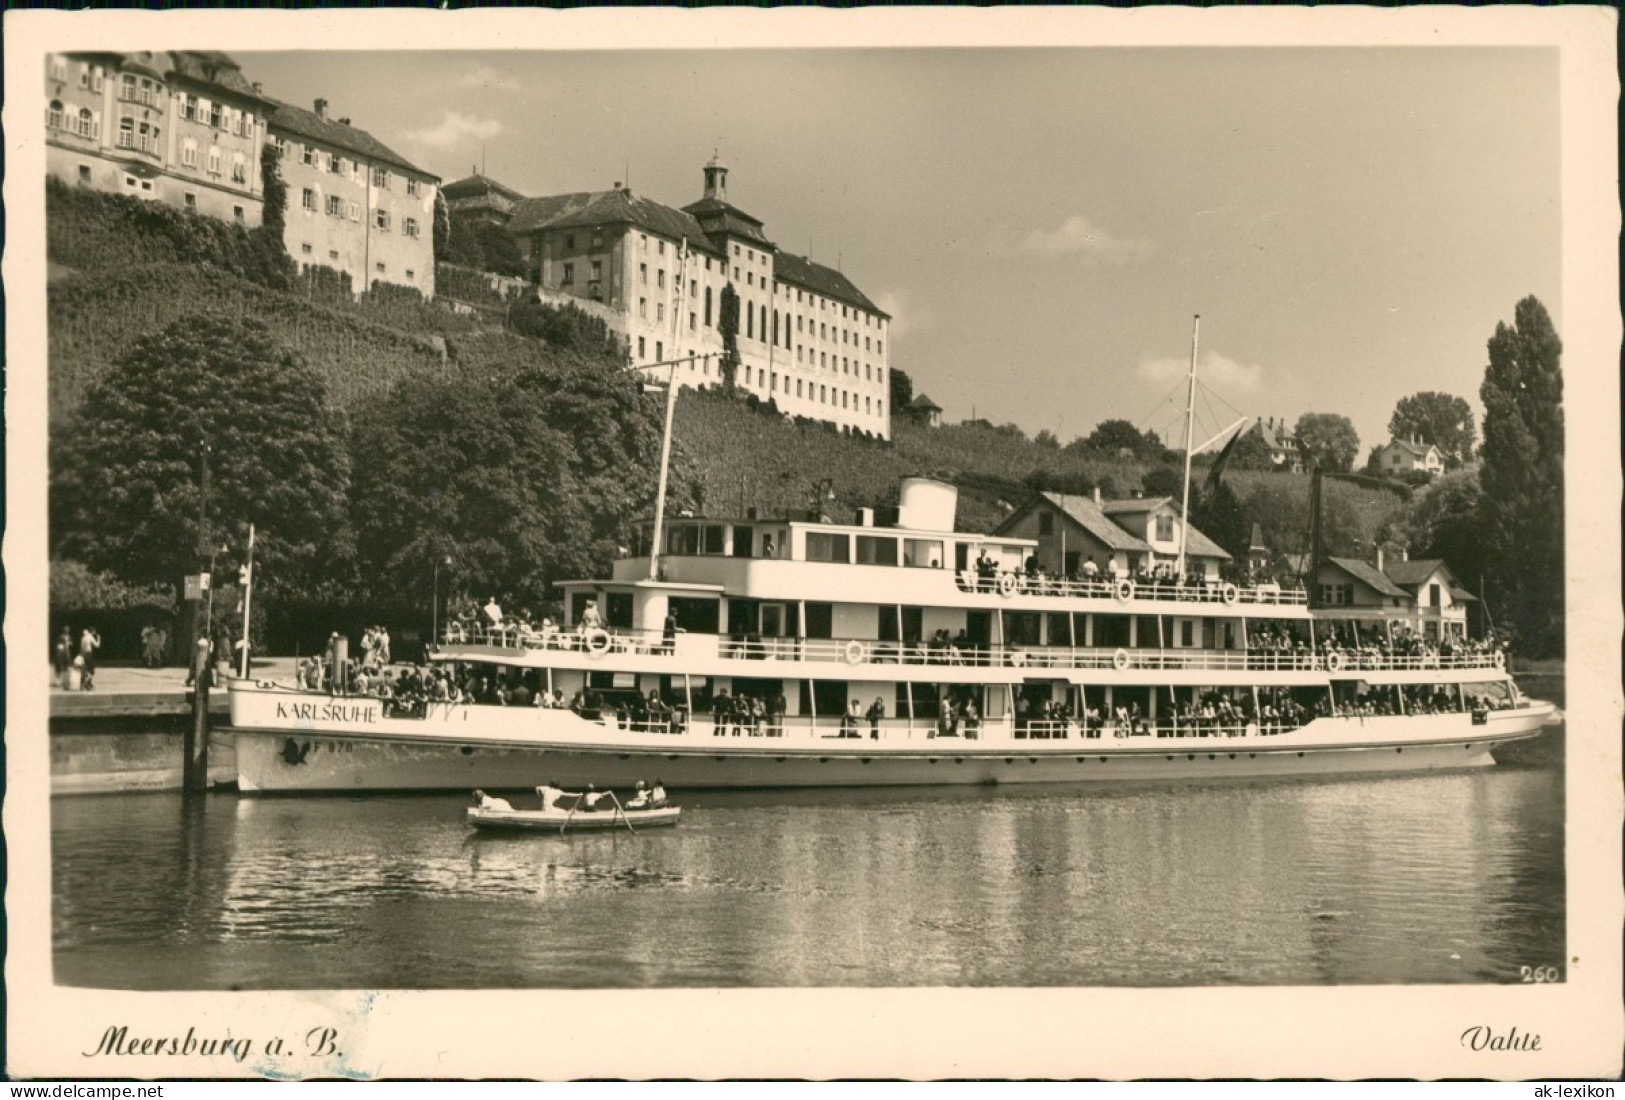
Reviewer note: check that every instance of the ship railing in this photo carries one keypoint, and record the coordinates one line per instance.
(1126, 589)
(861, 651)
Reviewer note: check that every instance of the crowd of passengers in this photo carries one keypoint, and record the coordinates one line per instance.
(1370, 646)
(1034, 577)
(1215, 714)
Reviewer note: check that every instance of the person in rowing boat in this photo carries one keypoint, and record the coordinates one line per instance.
(488, 802)
(551, 792)
(593, 797)
(640, 800)
(657, 795)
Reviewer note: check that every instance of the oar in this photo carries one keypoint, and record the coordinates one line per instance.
(622, 811)
(566, 823)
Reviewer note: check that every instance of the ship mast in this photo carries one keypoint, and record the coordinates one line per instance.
(1190, 424)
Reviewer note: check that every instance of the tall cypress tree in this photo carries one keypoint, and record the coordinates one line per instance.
(728, 326)
(1522, 478)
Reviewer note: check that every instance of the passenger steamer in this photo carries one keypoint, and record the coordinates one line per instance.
(820, 619)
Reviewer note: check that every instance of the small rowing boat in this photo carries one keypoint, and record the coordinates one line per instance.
(564, 821)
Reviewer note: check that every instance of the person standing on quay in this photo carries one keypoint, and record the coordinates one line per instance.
(62, 657)
(89, 642)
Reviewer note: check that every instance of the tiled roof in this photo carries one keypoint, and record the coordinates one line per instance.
(721, 217)
(1278, 435)
(1420, 450)
(1366, 574)
(1415, 572)
(1086, 514)
(1461, 595)
(589, 208)
(1138, 504)
(923, 402)
(802, 272)
(477, 184)
(1203, 547)
(307, 124)
(531, 214)
(216, 68)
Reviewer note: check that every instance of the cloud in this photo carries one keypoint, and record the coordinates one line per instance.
(484, 76)
(455, 127)
(1217, 371)
(905, 316)
(1079, 236)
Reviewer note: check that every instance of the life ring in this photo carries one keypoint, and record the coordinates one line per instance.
(1230, 593)
(1018, 659)
(1500, 658)
(1120, 660)
(597, 642)
(1334, 662)
(855, 652)
(1125, 591)
(1007, 584)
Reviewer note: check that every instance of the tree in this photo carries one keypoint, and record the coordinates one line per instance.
(271, 264)
(1217, 513)
(126, 491)
(1442, 419)
(1328, 439)
(521, 478)
(442, 226)
(1521, 477)
(728, 326)
(1047, 440)
(1251, 453)
(1445, 521)
(463, 247)
(902, 393)
(1162, 481)
(499, 252)
(1113, 437)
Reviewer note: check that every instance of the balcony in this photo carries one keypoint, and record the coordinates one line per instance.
(140, 143)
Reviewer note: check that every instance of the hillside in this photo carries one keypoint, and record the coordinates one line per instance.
(733, 456)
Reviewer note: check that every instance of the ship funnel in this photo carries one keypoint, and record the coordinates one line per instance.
(927, 505)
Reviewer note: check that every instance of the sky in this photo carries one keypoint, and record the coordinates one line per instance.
(1044, 224)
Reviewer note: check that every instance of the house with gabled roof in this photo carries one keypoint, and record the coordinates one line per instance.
(1282, 441)
(1125, 535)
(1422, 595)
(1401, 456)
(354, 204)
(926, 411)
(477, 199)
(808, 338)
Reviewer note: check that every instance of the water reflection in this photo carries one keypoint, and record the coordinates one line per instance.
(1450, 877)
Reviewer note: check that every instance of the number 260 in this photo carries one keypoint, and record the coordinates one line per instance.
(1540, 974)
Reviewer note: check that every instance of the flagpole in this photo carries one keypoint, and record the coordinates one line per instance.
(665, 466)
(1190, 425)
(248, 596)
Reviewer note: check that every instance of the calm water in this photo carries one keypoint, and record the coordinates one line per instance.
(1452, 877)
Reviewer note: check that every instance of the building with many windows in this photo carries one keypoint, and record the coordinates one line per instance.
(808, 338)
(182, 127)
(354, 204)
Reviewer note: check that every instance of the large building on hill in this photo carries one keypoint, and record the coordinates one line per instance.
(186, 127)
(354, 204)
(808, 338)
(183, 127)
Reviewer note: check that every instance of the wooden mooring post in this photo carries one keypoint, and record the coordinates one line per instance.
(195, 770)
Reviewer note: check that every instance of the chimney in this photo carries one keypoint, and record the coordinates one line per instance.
(1379, 557)
(866, 517)
(257, 88)
(617, 186)
(1097, 496)
(321, 108)
(344, 122)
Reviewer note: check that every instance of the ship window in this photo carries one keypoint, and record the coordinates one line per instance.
(744, 616)
(1187, 632)
(820, 620)
(683, 540)
(773, 620)
(713, 539)
(926, 701)
(1060, 628)
(877, 550)
(827, 696)
(742, 541)
(696, 615)
(825, 546)
(618, 610)
(1021, 627)
(922, 553)
(1112, 630)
